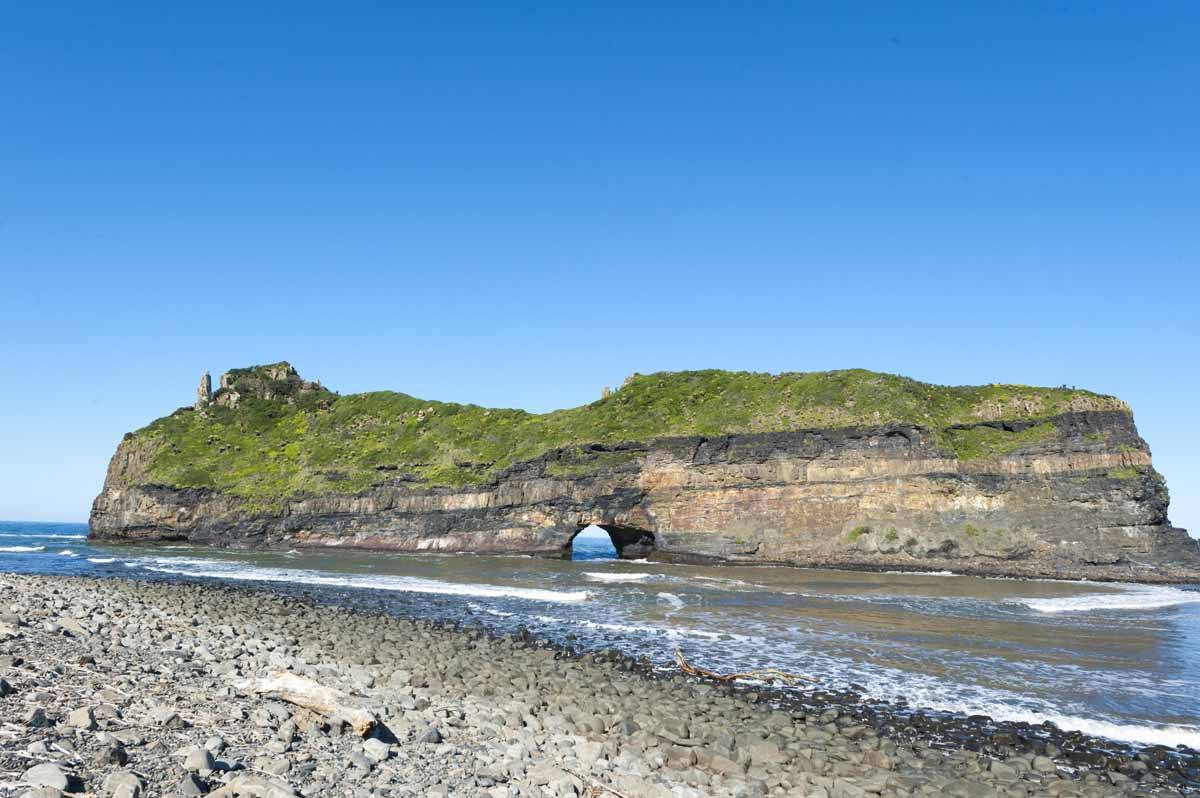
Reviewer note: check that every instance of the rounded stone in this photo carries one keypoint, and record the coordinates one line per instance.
(46, 775)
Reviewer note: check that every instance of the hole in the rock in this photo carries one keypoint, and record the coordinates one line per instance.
(593, 543)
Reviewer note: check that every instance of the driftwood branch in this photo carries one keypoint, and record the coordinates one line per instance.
(304, 692)
(765, 674)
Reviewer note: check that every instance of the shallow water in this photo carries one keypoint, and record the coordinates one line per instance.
(1120, 661)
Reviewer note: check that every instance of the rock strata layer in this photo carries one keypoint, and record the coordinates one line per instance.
(1071, 494)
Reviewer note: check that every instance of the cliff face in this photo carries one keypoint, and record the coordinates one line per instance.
(1068, 494)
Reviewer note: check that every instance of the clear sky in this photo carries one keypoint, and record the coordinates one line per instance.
(517, 204)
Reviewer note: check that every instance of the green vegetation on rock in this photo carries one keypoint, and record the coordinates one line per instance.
(974, 443)
(584, 463)
(269, 434)
(857, 532)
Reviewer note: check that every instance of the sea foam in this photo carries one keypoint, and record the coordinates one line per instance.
(948, 695)
(675, 602)
(669, 632)
(402, 584)
(920, 573)
(1005, 708)
(1133, 597)
(21, 549)
(603, 577)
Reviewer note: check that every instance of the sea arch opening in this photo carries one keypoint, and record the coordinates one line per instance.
(609, 542)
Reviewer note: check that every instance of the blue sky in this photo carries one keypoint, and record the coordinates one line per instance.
(517, 205)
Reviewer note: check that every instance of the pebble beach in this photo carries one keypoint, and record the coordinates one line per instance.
(124, 688)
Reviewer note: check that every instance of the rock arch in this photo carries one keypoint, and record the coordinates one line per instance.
(631, 543)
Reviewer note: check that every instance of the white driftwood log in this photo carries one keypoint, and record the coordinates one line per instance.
(304, 692)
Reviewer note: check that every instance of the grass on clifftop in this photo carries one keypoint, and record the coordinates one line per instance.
(313, 441)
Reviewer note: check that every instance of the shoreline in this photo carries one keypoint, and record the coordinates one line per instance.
(1065, 572)
(602, 720)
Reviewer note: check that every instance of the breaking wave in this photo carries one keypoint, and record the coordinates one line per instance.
(1006, 708)
(668, 632)
(1133, 597)
(21, 549)
(402, 584)
(603, 577)
(490, 611)
(921, 573)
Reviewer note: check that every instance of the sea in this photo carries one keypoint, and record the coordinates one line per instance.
(1120, 661)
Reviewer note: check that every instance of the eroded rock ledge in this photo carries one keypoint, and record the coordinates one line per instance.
(1071, 495)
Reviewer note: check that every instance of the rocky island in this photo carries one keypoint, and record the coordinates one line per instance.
(845, 468)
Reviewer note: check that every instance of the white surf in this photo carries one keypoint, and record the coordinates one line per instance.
(402, 584)
(603, 577)
(1131, 597)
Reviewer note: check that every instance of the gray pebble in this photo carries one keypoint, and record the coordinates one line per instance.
(42, 792)
(430, 734)
(82, 718)
(377, 749)
(46, 775)
(112, 753)
(123, 784)
(167, 717)
(37, 718)
(191, 786)
(198, 759)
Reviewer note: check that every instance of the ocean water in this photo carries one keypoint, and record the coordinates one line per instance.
(1117, 661)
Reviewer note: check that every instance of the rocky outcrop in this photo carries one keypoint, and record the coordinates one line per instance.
(204, 392)
(1079, 498)
(267, 383)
